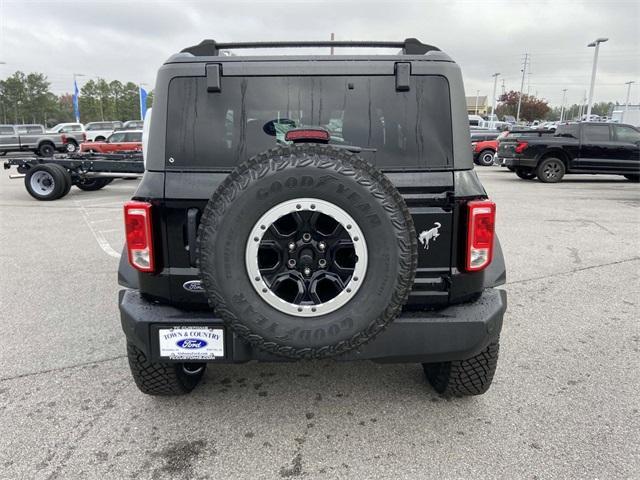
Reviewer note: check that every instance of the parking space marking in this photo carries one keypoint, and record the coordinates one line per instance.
(97, 234)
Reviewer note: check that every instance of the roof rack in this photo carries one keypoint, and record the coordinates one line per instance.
(211, 48)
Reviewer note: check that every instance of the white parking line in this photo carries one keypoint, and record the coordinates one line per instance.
(97, 234)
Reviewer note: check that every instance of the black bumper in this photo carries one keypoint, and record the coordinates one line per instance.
(520, 162)
(454, 333)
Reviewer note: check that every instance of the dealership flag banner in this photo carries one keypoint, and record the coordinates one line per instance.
(143, 103)
(76, 107)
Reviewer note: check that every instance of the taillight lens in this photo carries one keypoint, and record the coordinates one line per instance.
(480, 233)
(137, 224)
(84, 136)
(521, 147)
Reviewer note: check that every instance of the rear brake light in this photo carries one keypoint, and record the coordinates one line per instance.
(521, 147)
(307, 135)
(64, 138)
(137, 223)
(480, 233)
(84, 136)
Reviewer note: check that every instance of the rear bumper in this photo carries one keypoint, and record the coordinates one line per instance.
(520, 162)
(454, 333)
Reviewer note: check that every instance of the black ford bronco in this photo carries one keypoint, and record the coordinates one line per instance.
(306, 207)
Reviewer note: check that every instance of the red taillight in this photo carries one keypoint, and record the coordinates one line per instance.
(137, 224)
(307, 135)
(521, 147)
(64, 138)
(480, 233)
(84, 136)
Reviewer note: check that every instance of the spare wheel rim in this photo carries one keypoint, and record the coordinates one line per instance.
(306, 257)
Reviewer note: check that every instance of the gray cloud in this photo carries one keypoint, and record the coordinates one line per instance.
(130, 40)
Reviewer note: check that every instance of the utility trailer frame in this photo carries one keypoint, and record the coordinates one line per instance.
(51, 178)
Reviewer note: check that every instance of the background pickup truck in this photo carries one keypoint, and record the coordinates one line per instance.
(588, 147)
(31, 138)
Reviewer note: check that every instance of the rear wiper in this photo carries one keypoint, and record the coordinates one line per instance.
(354, 148)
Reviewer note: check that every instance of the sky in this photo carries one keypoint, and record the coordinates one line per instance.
(129, 40)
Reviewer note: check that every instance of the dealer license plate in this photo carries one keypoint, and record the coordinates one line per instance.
(191, 343)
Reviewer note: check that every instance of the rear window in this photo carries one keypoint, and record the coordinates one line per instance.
(30, 129)
(7, 131)
(133, 137)
(403, 130)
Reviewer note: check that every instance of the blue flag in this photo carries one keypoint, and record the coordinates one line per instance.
(143, 103)
(76, 106)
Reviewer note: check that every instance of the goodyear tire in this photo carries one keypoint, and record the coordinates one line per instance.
(155, 378)
(307, 251)
(472, 376)
(45, 182)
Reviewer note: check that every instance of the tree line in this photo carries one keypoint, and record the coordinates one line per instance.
(533, 108)
(27, 98)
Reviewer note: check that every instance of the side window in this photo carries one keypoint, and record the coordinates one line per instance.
(117, 137)
(596, 133)
(626, 134)
(133, 137)
(6, 131)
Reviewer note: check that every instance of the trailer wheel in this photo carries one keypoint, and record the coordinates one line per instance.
(45, 182)
(93, 184)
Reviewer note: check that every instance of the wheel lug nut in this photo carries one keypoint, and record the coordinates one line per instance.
(306, 237)
(322, 262)
(292, 246)
(322, 246)
(291, 263)
(307, 271)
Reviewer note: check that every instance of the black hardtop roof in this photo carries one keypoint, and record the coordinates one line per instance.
(211, 48)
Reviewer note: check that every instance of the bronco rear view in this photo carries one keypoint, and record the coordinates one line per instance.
(306, 207)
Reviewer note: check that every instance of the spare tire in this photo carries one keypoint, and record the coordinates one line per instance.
(307, 251)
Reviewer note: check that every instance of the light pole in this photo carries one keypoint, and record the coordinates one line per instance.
(493, 100)
(564, 96)
(596, 43)
(626, 103)
(477, 97)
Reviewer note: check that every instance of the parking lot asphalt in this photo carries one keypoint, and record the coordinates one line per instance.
(564, 403)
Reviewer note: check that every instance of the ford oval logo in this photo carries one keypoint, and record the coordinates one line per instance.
(191, 343)
(193, 286)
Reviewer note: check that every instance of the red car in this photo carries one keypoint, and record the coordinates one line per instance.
(483, 151)
(124, 141)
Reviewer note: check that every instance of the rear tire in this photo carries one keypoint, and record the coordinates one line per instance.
(525, 173)
(633, 178)
(156, 378)
(72, 147)
(67, 176)
(485, 158)
(45, 182)
(93, 184)
(550, 170)
(461, 378)
(46, 150)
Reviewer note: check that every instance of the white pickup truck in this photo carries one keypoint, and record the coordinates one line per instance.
(100, 131)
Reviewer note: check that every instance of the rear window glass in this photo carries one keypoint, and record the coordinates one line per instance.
(6, 131)
(133, 137)
(401, 130)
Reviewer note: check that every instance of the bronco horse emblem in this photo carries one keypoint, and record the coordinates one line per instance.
(427, 235)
